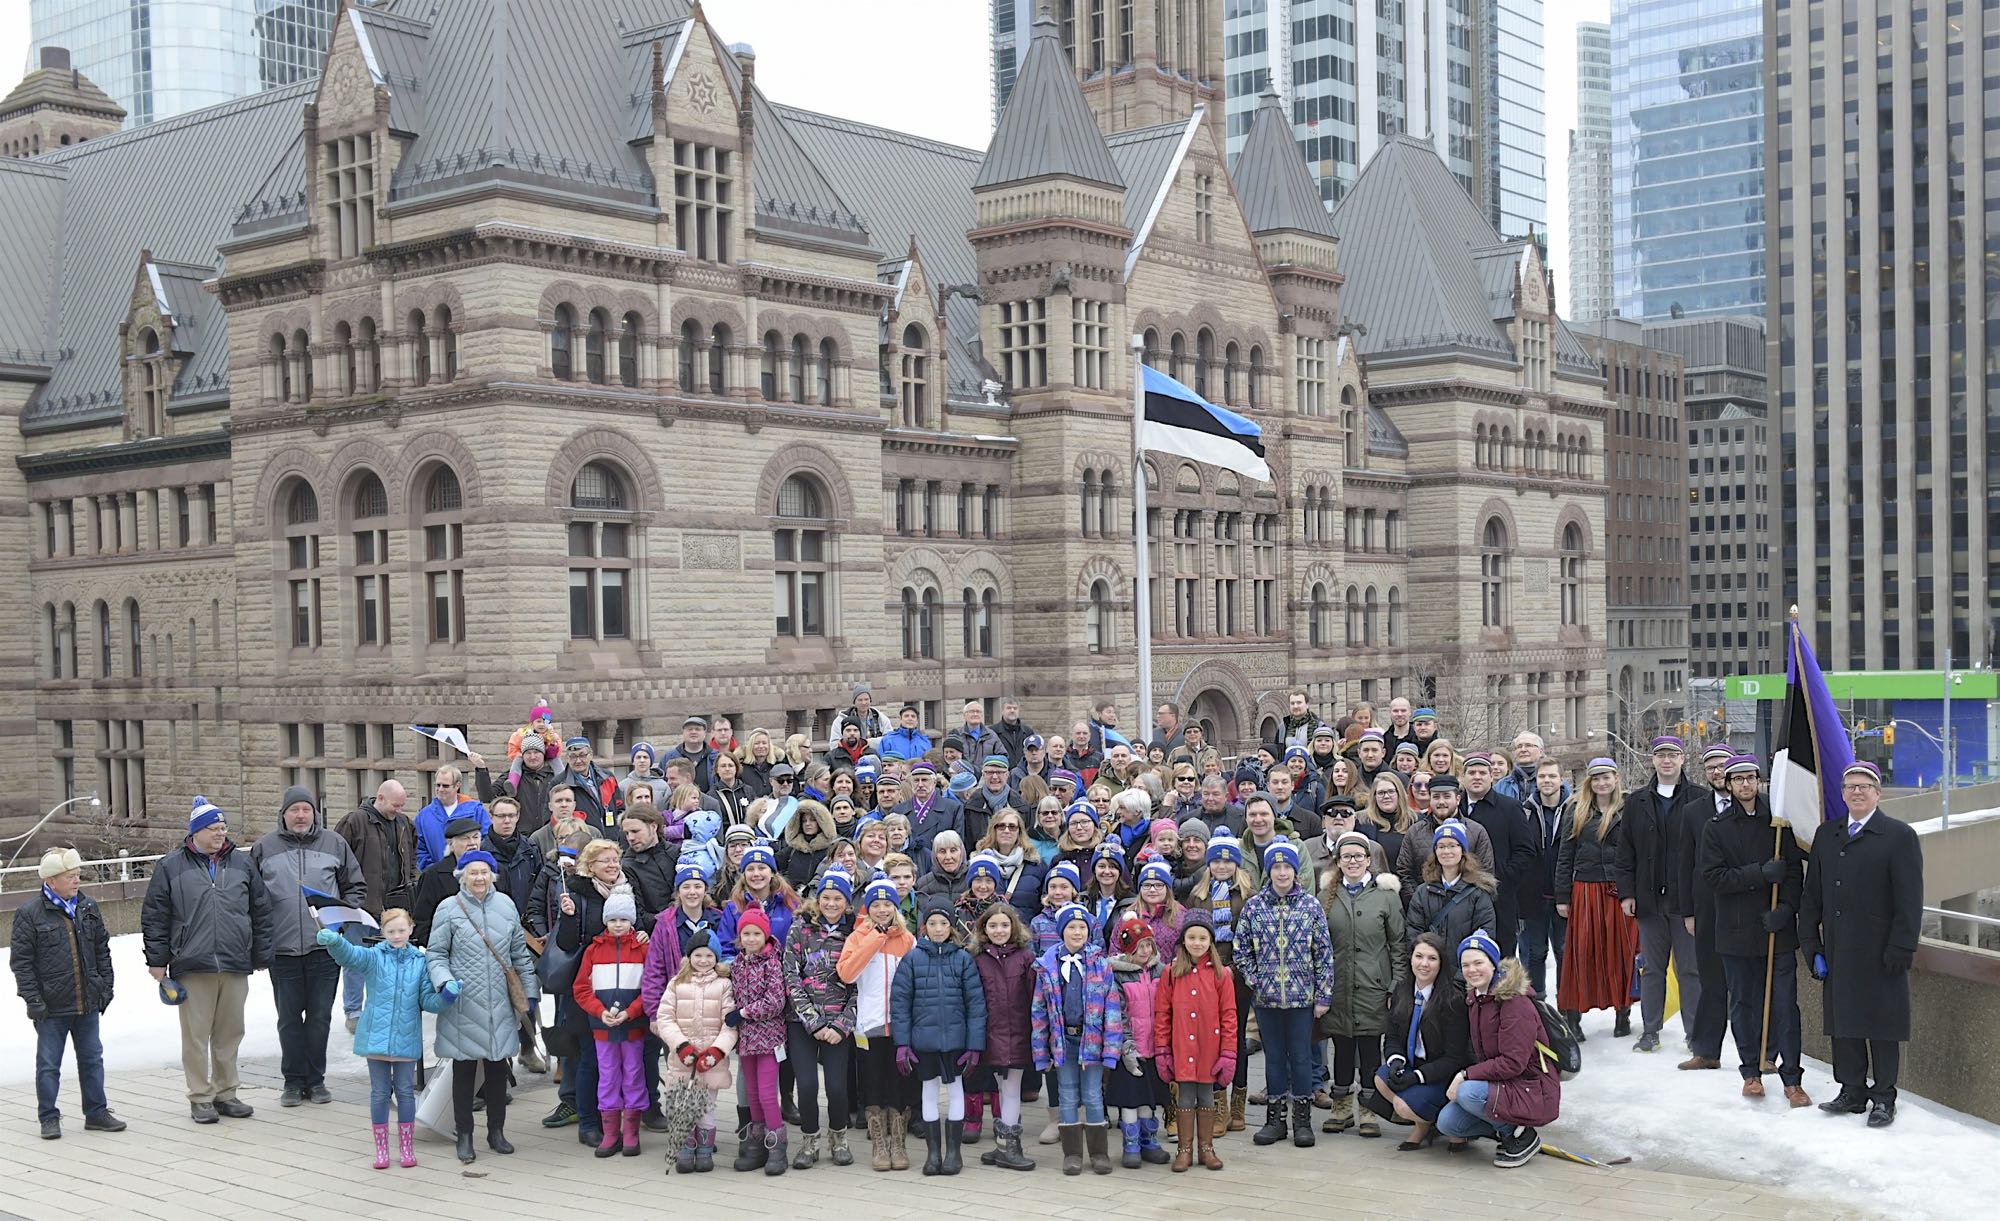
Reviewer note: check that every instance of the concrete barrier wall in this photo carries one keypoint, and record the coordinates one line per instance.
(1953, 1056)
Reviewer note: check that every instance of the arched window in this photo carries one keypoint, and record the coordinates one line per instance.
(915, 378)
(1250, 377)
(443, 527)
(768, 374)
(54, 639)
(1395, 617)
(687, 357)
(1089, 503)
(346, 374)
(1326, 514)
(800, 370)
(1572, 575)
(371, 561)
(826, 372)
(1204, 356)
(1229, 374)
(302, 376)
(371, 355)
(1107, 504)
(1150, 351)
(718, 356)
(420, 349)
(1479, 445)
(132, 636)
(594, 339)
(912, 637)
(927, 624)
(1583, 456)
(562, 344)
(103, 640)
(66, 641)
(1371, 619)
(281, 383)
(1319, 622)
(628, 350)
(448, 343)
(302, 570)
(1507, 448)
(1177, 356)
(977, 629)
(1493, 574)
(801, 552)
(1097, 618)
(1350, 429)
(1353, 605)
(601, 541)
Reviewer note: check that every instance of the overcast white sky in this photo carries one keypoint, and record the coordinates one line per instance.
(932, 78)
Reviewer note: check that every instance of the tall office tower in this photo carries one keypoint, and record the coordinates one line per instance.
(1687, 156)
(1352, 74)
(1590, 177)
(1885, 188)
(159, 58)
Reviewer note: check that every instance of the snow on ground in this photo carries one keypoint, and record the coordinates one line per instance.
(1629, 1105)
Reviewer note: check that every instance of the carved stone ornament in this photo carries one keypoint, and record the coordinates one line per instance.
(701, 93)
(714, 552)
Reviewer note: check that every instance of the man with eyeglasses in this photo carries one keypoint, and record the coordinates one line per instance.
(1519, 781)
(1858, 925)
(598, 802)
(446, 805)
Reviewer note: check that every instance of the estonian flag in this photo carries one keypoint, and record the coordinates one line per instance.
(1179, 421)
(332, 912)
(1813, 750)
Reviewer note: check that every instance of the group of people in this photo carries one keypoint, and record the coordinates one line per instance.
(906, 930)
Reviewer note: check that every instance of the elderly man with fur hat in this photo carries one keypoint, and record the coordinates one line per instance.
(61, 954)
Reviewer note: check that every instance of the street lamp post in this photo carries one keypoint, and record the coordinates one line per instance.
(26, 836)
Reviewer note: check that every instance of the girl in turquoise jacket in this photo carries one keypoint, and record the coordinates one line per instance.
(391, 1030)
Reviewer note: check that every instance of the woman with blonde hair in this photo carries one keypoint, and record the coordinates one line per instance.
(1440, 758)
(1596, 964)
(1457, 895)
(758, 756)
(798, 750)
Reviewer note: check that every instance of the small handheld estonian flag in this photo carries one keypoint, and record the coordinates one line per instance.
(444, 734)
(1179, 421)
(332, 912)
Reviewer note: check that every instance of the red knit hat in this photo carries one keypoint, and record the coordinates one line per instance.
(1131, 931)
(754, 917)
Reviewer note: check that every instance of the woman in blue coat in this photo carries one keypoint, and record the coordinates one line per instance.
(391, 1029)
(937, 1011)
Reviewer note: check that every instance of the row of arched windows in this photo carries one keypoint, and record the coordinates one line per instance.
(604, 352)
(1494, 448)
(430, 344)
(792, 372)
(1364, 612)
(1100, 504)
(115, 631)
(922, 617)
(1232, 379)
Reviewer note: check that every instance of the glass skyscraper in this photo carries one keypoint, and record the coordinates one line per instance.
(158, 58)
(1687, 157)
(1590, 177)
(1515, 154)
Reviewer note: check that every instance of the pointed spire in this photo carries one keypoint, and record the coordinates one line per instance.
(1271, 177)
(1047, 129)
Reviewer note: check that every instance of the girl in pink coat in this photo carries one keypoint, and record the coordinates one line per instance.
(693, 1024)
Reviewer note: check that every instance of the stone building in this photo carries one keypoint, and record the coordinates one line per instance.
(409, 395)
(53, 107)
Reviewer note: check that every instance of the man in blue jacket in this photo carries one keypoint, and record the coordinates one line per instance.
(206, 922)
(906, 740)
(445, 805)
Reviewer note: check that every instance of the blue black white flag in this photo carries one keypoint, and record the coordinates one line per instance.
(1179, 421)
(1813, 750)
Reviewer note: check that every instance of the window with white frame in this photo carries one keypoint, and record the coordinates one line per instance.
(703, 201)
(442, 526)
(1310, 370)
(348, 194)
(801, 547)
(600, 555)
(302, 567)
(370, 535)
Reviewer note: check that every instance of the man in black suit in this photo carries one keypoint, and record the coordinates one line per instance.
(1515, 852)
(1858, 924)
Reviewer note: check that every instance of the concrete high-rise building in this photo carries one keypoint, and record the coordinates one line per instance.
(1885, 220)
(1687, 157)
(1464, 75)
(1646, 560)
(1590, 177)
(159, 58)
(1731, 604)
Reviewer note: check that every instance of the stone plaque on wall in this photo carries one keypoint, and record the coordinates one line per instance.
(711, 551)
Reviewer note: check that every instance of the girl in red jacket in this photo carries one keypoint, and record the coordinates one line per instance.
(1194, 1035)
(607, 988)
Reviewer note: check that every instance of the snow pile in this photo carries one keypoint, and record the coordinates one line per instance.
(1627, 1105)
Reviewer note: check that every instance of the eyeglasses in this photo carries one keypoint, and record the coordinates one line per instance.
(1862, 787)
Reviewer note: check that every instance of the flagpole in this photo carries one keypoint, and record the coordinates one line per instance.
(1142, 592)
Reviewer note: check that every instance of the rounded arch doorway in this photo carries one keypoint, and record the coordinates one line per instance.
(1220, 723)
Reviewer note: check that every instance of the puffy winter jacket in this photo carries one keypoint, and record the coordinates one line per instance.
(203, 914)
(480, 1024)
(1524, 1088)
(1195, 1019)
(1282, 950)
(608, 977)
(868, 962)
(759, 982)
(1103, 1039)
(1007, 972)
(386, 846)
(433, 819)
(938, 1002)
(1371, 954)
(671, 931)
(62, 966)
(1137, 984)
(400, 992)
(692, 1011)
(1452, 913)
(317, 858)
(821, 999)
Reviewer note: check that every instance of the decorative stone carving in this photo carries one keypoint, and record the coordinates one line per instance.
(713, 552)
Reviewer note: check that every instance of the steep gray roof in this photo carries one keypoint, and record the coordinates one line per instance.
(200, 328)
(1271, 176)
(395, 46)
(174, 187)
(1145, 156)
(1425, 268)
(32, 195)
(1047, 129)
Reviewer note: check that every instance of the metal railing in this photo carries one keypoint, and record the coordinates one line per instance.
(125, 867)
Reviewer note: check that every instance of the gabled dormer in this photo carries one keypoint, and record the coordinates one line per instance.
(701, 143)
(363, 116)
(912, 350)
(157, 338)
(1518, 285)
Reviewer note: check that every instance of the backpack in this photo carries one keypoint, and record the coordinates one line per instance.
(1561, 1050)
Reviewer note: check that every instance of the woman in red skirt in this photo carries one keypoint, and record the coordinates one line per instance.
(1597, 956)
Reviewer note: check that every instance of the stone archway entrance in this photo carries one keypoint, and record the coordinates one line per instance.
(1216, 713)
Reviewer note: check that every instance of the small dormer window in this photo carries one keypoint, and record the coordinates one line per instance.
(150, 411)
(702, 201)
(348, 194)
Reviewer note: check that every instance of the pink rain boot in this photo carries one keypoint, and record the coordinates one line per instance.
(406, 1148)
(629, 1127)
(975, 1111)
(381, 1146)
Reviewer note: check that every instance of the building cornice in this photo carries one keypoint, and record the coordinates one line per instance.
(126, 455)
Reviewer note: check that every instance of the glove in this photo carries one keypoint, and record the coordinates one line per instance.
(1897, 961)
(1164, 1065)
(1819, 966)
(37, 1012)
(709, 1058)
(450, 991)
(685, 1054)
(327, 936)
(1777, 920)
(1773, 870)
(968, 1062)
(1396, 1072)
(733, 1018)
(906, 1060)
(1129, 1061)
(1225, 1069)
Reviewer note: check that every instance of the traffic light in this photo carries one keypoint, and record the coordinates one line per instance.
(1701, 728)
(1888, 735)
(1860, 727)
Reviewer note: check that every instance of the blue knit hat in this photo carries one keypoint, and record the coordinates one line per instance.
(1281, 850)
(837, 879)
(1295, 751)
(689, 871)
(206, 814)
(1109, 849)
(1069, 912)
(579, 740)
(1079, 806)
(1068, 872)
(1423, 714)
(868, 770)
(988, 865)
(651, 753)
(758, 854)
(477, 857)
(1224, 847)
(880, 888)
(1482, 941)
(1000, 761)
(1449, 829)
(1157, 870)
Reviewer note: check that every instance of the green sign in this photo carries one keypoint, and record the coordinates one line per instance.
(1875, 685)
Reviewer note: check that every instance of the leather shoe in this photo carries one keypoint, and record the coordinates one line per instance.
(1698, 1062)
(52, 1128)
(103, 1121)
(1753, 1087)
(202, 1112)
(1846, 1102)
(1881, 1114)
(1796, 1095)
(232, 1108)
(465, 1153)
(653, 1121)
(291, 1097)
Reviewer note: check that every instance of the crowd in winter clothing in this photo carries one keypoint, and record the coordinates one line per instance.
(913, 928)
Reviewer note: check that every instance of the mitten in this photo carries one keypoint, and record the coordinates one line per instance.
(709, 1058)
(1164, 1065)
(1129, 1061)
(685, 1053)
(327, 936)
(450, 991)
(1225, 1069)
(733, 1018)
(906, 1060)
(968, 1062)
